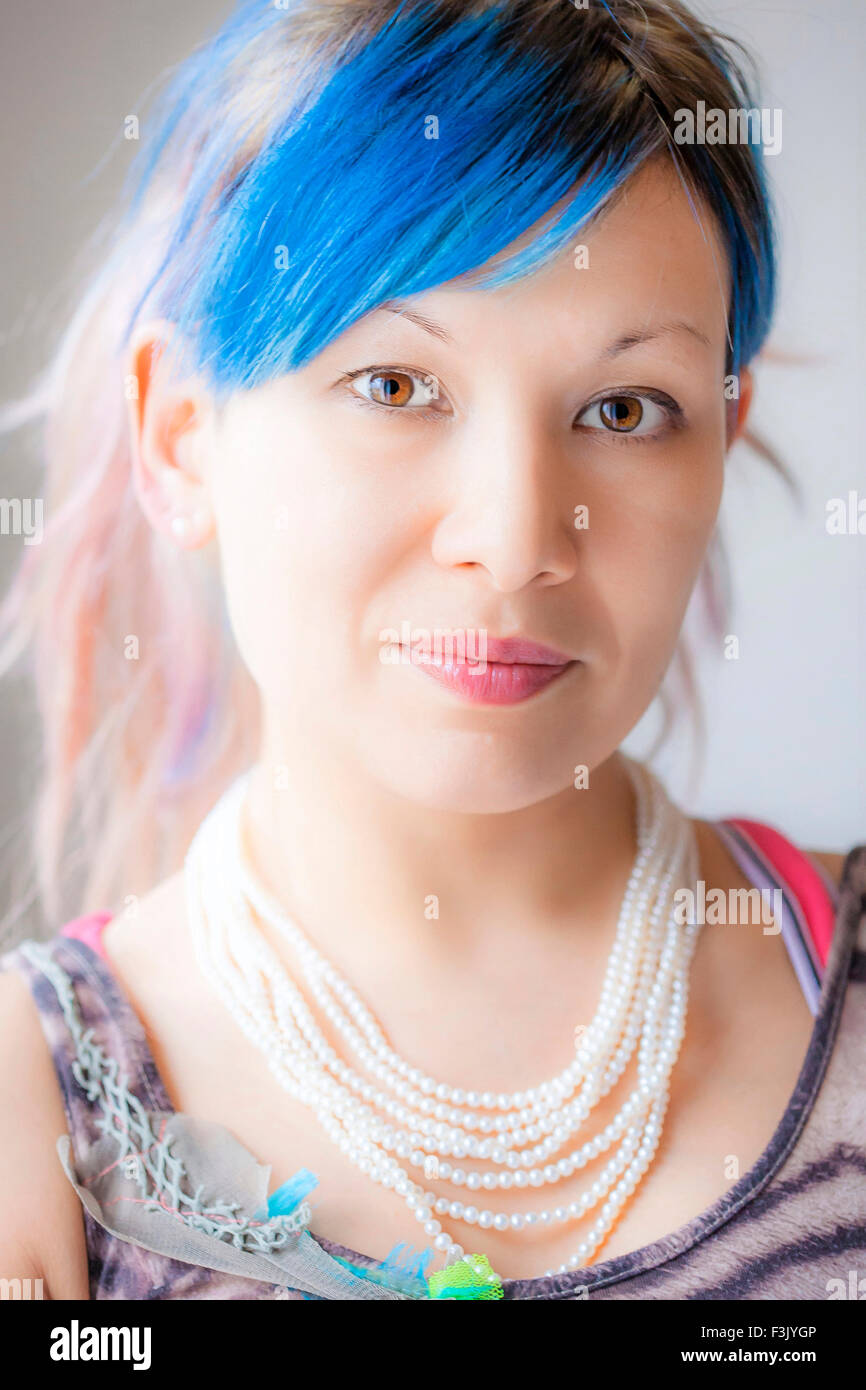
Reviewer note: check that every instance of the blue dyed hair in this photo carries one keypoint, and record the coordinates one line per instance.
(334, 157)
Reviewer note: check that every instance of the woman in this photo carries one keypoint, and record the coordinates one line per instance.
(387, 450)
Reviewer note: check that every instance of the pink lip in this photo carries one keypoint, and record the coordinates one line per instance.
(515, 669)
(520, 649)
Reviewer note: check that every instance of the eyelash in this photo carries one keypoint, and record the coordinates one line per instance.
(675, 413)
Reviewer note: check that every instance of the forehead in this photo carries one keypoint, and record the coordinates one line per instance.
(653, 256)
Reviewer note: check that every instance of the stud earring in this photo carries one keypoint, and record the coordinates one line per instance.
(187, 526)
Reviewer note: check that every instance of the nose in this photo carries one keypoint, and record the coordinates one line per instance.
(511, 512)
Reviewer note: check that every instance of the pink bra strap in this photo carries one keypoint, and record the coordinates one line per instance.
(89, 930)
(800, 876)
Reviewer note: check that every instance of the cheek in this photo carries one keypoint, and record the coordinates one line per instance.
(649, 546)
(305, 537)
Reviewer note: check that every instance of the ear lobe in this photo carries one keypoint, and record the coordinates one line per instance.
(168, 417)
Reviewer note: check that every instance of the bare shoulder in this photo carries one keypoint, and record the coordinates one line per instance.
(144, 939)
(41, 1219)
(830, 861)
(148, 950)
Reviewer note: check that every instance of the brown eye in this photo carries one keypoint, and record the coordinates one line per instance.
(402, 392)
(629, 414)
(391, 388)
(621, 414)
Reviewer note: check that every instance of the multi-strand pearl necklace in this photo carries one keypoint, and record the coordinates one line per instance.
(389, 1113)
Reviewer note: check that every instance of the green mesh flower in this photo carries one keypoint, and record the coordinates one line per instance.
(471, 1277)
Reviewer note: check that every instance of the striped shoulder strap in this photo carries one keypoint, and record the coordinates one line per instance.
(809, 897)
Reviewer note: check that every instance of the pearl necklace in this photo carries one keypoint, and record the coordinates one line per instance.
(393, 1111)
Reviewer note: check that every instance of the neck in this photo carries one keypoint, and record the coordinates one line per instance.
(353, 864)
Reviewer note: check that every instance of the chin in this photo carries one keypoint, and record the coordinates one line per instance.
(469, 773)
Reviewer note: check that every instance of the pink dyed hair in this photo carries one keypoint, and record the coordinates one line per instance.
(136, 744)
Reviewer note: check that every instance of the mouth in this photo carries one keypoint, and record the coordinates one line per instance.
(507, 671)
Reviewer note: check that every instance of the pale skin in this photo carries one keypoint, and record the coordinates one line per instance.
(375, 788)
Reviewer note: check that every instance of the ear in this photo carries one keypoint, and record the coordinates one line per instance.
(170, 416)
(738, 409)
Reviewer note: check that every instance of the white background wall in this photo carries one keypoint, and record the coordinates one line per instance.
(786, 740)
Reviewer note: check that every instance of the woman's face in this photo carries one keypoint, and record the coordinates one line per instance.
(425, 474)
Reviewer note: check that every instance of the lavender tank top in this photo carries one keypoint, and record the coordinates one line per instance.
(177, 1208)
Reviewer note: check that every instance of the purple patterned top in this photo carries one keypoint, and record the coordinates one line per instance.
(177, 1208)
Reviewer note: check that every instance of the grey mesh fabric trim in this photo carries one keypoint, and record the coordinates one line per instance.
(183, 1187)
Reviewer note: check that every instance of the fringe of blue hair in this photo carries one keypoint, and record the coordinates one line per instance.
(408, 159)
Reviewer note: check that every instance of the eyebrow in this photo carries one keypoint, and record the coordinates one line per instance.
(646, 335)
(624, 343)
(395, 306)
